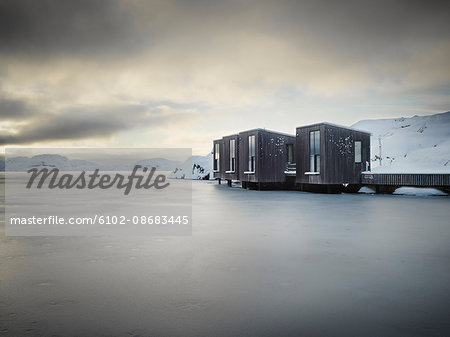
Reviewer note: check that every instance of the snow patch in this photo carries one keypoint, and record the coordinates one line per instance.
(366, 190)
(421, 191)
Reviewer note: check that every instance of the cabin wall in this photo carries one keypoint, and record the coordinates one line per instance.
(271, 156)
(340, 166)
(302, 155)
(226, 158)
(337, 155)
(243, 156)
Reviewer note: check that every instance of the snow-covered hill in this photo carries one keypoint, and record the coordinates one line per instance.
(409, 145)
(196, 167)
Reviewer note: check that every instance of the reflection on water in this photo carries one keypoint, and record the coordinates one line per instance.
(270, 263)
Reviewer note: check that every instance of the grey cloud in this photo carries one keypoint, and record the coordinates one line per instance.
(365, 19)
(90, 27)
(50, 27)
(14, 109)
(360, 30)
(77, 124)
(88, 122)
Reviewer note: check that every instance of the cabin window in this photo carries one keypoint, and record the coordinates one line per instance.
(251, 153)
(314, 151)
(232, 154)
(216, 157)
(290, 153)
(358, 155)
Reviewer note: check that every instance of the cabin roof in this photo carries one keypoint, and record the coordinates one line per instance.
(335, 125)
(271, 131)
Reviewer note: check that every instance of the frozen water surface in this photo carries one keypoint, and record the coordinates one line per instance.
(269, 263)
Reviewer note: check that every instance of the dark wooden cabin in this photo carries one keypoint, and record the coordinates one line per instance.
(263, 158)
(329, 157)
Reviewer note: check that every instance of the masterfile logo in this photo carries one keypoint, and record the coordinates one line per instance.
(92, 192)
(97, 180)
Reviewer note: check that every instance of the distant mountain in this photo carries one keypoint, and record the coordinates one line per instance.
(49, 161)
(161, 164)
(63, 163)
(414, 144)
(196, 167)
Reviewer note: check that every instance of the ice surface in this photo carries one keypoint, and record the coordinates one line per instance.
(259, 263)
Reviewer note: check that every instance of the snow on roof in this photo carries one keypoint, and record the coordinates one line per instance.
(271, 131)
(233, 135)
(335, 125)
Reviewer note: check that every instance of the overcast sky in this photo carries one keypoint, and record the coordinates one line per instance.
(182, 73)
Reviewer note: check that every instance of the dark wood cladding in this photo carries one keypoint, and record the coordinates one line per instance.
(271, 156)
(337, 155)
(224, 158)
(226, 169)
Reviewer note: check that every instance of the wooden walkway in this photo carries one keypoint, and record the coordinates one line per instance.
(438, 180)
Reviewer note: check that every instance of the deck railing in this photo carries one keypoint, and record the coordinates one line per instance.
(291, 169)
